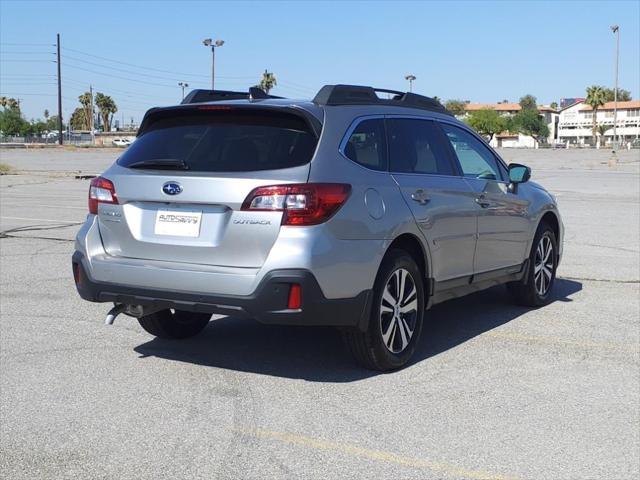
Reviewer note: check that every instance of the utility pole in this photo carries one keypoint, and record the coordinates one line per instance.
(59, 93)
(616, 31)
(93, 135)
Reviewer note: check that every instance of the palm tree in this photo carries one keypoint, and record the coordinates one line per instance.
(107, 108)
(596, 98)
(602, 129)
(10, 103)
(85, 100)
(267, 82)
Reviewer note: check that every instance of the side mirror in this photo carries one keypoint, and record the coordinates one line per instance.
(519, 173)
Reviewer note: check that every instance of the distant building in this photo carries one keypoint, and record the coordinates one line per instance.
(567, 102)
(514, 139)
(576, 123)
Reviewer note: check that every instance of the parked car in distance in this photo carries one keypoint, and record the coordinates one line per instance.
(121, 142)
(350, 210)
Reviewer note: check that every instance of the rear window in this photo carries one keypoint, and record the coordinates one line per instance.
(224, 141)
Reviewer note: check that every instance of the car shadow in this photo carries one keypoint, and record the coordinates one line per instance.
(318, 354)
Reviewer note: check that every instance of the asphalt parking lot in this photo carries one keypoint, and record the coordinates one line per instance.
(495, 392)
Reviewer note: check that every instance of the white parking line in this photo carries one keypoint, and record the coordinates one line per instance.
(40, 220)
(4, 204)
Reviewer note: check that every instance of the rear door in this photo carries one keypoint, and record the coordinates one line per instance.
(181, 185)
(503, 224)
(442, 202)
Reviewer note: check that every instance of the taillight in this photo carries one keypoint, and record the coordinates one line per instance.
(101, 191)
(302, 204)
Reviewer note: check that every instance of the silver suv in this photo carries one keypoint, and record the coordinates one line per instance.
(359, 209)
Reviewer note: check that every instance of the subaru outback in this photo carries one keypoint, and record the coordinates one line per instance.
(360, 209)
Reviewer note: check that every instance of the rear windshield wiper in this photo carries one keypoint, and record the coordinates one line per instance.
(161, 163)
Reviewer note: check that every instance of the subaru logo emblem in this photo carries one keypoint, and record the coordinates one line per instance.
(172, 188)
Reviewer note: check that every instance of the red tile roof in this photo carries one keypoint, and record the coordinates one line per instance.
(502, 107)
(610, 106)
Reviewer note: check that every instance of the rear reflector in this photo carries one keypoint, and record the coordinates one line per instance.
(101, 191)
(295, 297)
(302, 204)
(76, 273)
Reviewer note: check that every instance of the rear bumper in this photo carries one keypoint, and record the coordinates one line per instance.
(267, 304)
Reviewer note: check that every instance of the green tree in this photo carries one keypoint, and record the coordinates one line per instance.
(456, 107)
(487, 122)
(107, 107)
(86, 100)
(52, 123)
(38, 127)
(623, 95)
(528, 102)
(10, 103)
(554, 105)
(12, 123)
(596, 98)
(79, 119)
(267, 82)
(529, 122)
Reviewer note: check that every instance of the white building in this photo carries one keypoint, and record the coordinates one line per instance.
(576, 123)
(516, 140)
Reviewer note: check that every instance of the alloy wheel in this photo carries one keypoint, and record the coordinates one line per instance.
(398, 310)
(543, 266)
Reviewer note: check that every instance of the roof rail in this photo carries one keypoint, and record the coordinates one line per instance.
(363, 95)
(203, 96)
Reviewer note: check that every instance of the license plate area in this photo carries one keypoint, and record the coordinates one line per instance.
(178, 223)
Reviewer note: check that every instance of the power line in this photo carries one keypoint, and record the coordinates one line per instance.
(121, 69)
(5, 52)
(26, 75)
(33, 94)
(121, 78)
(136, 80)
(181, 74)
(28, 44)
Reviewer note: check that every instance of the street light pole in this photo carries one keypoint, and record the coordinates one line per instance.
(183, 85)
(59, 92)
(207, 42)
(411, 78)
(616, 30)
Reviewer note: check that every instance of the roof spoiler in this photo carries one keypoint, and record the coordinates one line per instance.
(204, 96)
(363, 95)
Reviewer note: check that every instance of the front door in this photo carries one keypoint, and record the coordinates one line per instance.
(503, 224)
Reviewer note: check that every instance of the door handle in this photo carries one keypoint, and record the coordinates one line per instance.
(482, 201)
(420, 196)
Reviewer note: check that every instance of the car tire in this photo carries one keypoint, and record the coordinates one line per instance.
(175, 324)
(534, 290)
(396, 317)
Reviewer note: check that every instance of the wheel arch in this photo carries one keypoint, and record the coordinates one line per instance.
(552, 220)
(413, 246)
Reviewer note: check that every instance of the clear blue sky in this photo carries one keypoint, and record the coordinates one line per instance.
(480, 51)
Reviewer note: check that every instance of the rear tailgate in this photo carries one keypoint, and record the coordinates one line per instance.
(165, 212)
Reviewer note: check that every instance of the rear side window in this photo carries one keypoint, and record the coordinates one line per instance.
(225, 141)
(417, 146)
(367, 145)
